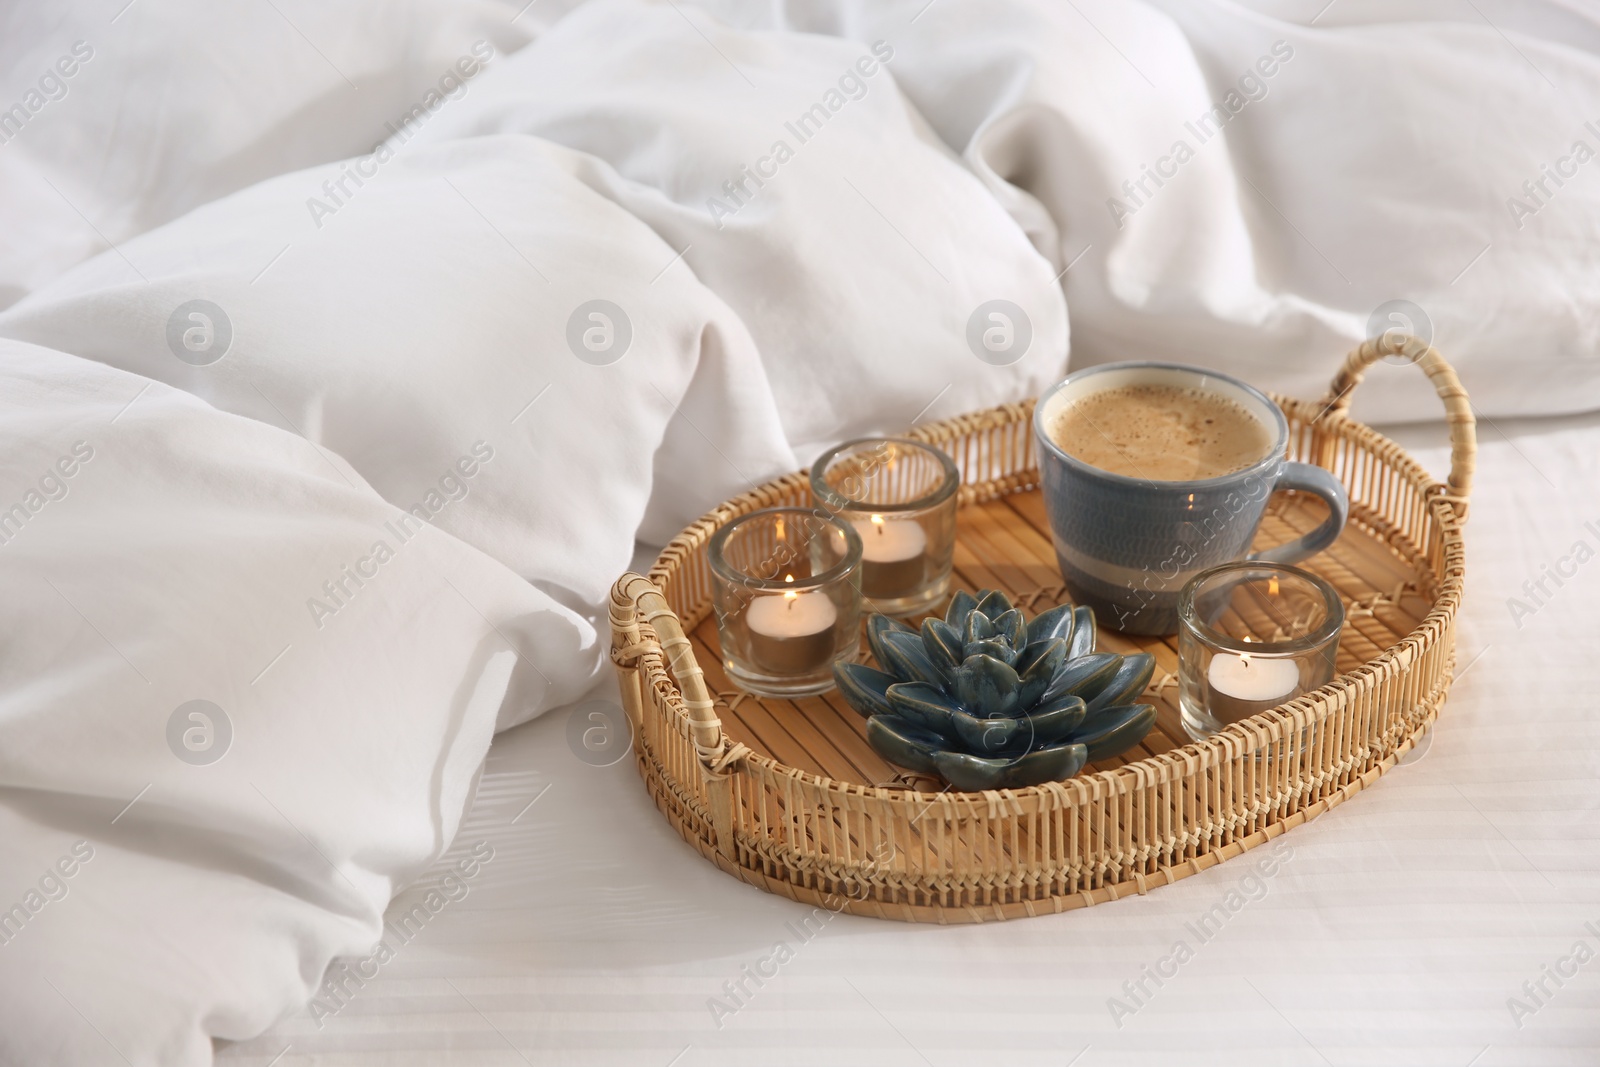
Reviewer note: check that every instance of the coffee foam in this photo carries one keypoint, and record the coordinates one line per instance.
(1163, 433)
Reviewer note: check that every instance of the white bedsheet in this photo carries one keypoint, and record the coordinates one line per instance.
(1395, 932)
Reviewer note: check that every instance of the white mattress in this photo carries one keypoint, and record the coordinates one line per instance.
(1401, 930)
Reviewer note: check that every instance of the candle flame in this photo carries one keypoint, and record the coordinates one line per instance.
(790, 595)
(877, 520)
(1272, 586)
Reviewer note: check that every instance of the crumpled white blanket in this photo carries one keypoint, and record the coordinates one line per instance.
(243, 701)
(435, 320)
(1381, 164)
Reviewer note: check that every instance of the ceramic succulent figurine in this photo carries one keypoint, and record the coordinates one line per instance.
(986, 700)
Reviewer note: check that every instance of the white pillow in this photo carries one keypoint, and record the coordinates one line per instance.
(116, 117)
(429, 325)
(172, 872)
(866, 261)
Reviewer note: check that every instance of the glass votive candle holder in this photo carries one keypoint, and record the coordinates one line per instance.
(1252, 636)
(786, 598)
(900, 498)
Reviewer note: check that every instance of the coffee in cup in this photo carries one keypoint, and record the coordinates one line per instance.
(1153, 472)
(1161, 432)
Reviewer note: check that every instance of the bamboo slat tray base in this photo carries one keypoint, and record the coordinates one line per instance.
(1005, 545)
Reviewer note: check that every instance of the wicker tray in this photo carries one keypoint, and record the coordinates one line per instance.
(788, 796)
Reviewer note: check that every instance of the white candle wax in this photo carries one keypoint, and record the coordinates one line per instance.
(1247, 677)
(792, 634)
(1243, 684)
(890, 540)
(893, 556)
(792, 614)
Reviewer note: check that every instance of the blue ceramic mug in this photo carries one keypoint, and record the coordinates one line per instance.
(1127, 545)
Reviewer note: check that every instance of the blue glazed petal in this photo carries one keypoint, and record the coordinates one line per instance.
(924, 705)
(1091, 687)
(864, 688)
(961, 606)
(993, 603)
(1132, 676)
(995, 647)
(904, 743)
(1030, 654)
(1059, 718)
(1082, 642)
(942, 643)
(1057, 622)
(985, 686)
(975, 773)
(1036, 677)
(1050, 725)
(905, 658)
(989, 737)
(1112, 731)
(1013, 627)
(1083, 677)
(877, 626)
(979, 628)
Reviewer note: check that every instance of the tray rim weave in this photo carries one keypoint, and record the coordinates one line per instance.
(695, 787)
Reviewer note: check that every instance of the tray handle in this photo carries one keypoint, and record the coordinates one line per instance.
(636, 599)
(1457, 408)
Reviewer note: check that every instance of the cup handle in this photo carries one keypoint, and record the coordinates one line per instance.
(1316, 480)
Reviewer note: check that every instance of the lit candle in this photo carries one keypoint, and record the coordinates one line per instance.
(792, 633)
(1241, 685)
(893, 557)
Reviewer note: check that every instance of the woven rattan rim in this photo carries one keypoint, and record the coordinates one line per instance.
(660, 677)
